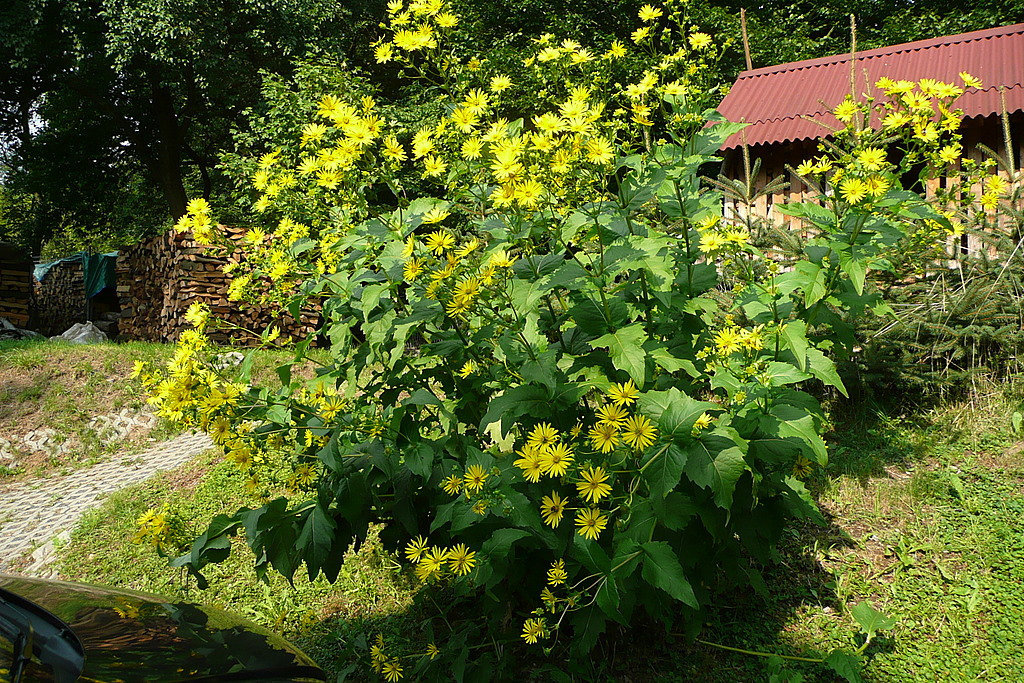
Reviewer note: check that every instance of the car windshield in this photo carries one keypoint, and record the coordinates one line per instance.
(34, 644)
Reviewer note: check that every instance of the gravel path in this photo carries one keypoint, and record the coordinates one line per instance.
(33, 513)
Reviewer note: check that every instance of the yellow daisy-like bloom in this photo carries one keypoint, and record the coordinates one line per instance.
(640, 34)
(876, 185)
(557, 574)
(595, 485)
(392, 670)
(435, 215)
(552, 508)
(802, 467)
(432, 651)
(591, 523)
(871, 158)
(649, 13)
(556, 460)
(384, 53)
(412, 270)
(599, 151)
(480, 507)
(500, 83)
(806, 168)
(433, 166)
(623, 394)
(472, 148)
(452, 485)
(460, 560)
(845, 111)
(711, 242)
(533, 630)
(220, 430)
(475, 477)
(417, 546)
(531, 464)
(969, 80)
(440, 242)
(702, 423)
(638, 432)
(611, 414)
(604, 437)
(950, 154)
(468, 368)
(543, 435)
(853, 190)
(431, 563)
(699, 41)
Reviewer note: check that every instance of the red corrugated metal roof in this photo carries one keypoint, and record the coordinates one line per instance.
(789, 101)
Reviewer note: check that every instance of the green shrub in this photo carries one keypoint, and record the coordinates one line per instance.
(572, 391)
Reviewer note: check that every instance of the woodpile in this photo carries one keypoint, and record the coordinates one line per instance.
(158, 279)
(60, 299)
(15, 285)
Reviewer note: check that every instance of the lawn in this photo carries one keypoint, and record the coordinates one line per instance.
(925, 522)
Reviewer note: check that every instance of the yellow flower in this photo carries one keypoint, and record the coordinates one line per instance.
(468, 368)
(623, 394)
(412, 270)
(876, 185)
(472, 148)
(392, 670)
(533, 630)
(446, 20)
(641, 33)
(846, 111)
(440, 242)
(699, 41)
(591, 523)
(871, 158)
(530, 463)
(435, 215)
(476, 101)
(452, 485)
(433, 166)
(460, 560)
(969, 80)
(649, 13)
(701, 423)
(552, 508)
(802, 468)
(995, 184)
(595, 485)
(853, 190)
(465, 119)
(638, 432)
(500, 83)
(415, 549)
(480, 507)
(475, 478)
(711, 242)
(383, 53)
(432, 651)
(604, 437)
(950, 154)
(542, 435)
(557, 574)
(556, 460)
(599, 151)
(611, 414)
(393, 149)
(616, 51)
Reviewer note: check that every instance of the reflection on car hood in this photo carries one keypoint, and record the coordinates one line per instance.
(131, 636)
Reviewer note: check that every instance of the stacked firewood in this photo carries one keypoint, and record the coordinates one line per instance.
(60, 298)
(15, 286)
(158, 279)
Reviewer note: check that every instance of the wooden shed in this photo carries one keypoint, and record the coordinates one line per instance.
(788, 106)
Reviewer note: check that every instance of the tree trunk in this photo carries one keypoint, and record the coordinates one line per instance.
(168, 166)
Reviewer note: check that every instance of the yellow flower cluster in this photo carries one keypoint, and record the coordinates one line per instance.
(718, 237)
(433, 562)
(197, 219)
(154, 528)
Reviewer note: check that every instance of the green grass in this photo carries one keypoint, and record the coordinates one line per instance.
(925, 513)
(61, 386)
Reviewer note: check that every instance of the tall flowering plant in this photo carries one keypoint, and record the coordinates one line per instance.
(571, 390)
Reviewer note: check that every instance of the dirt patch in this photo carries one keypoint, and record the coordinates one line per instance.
(188, 476)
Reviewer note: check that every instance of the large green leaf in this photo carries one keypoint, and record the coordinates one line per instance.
(316, 538)
(674, 411)
(797, 423)
(626, 349)
(664, 472)
(662, 569)
(715, 462)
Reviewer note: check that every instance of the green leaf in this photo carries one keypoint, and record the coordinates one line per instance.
(664, 473)
(794, 334)
(715, 462)
(608, 598)
(784, 373)
(500, 542)
(815, 213)
(822, 367)
(1017, 422)
(662, 569)
(626, 349)
(673, 411)
(591, 554)
(798, 423)
(845, 664)
(856, 269)
(661, 356)
(675, 511)
(871, 621)
(316, 538)
(813, 281)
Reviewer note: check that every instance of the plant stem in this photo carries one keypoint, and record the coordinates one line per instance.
(755, 652)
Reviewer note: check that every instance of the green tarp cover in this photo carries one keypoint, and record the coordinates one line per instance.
(97, 270)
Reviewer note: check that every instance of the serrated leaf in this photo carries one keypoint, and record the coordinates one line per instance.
(625, 346)
(664, 473)
(794, 333)
(822, 367)
(662, 569)
(715, 463)
(316, 537)
(798, 423)
(845, 664)
(673, 411)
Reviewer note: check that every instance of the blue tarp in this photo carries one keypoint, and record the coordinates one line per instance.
(97, 270)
